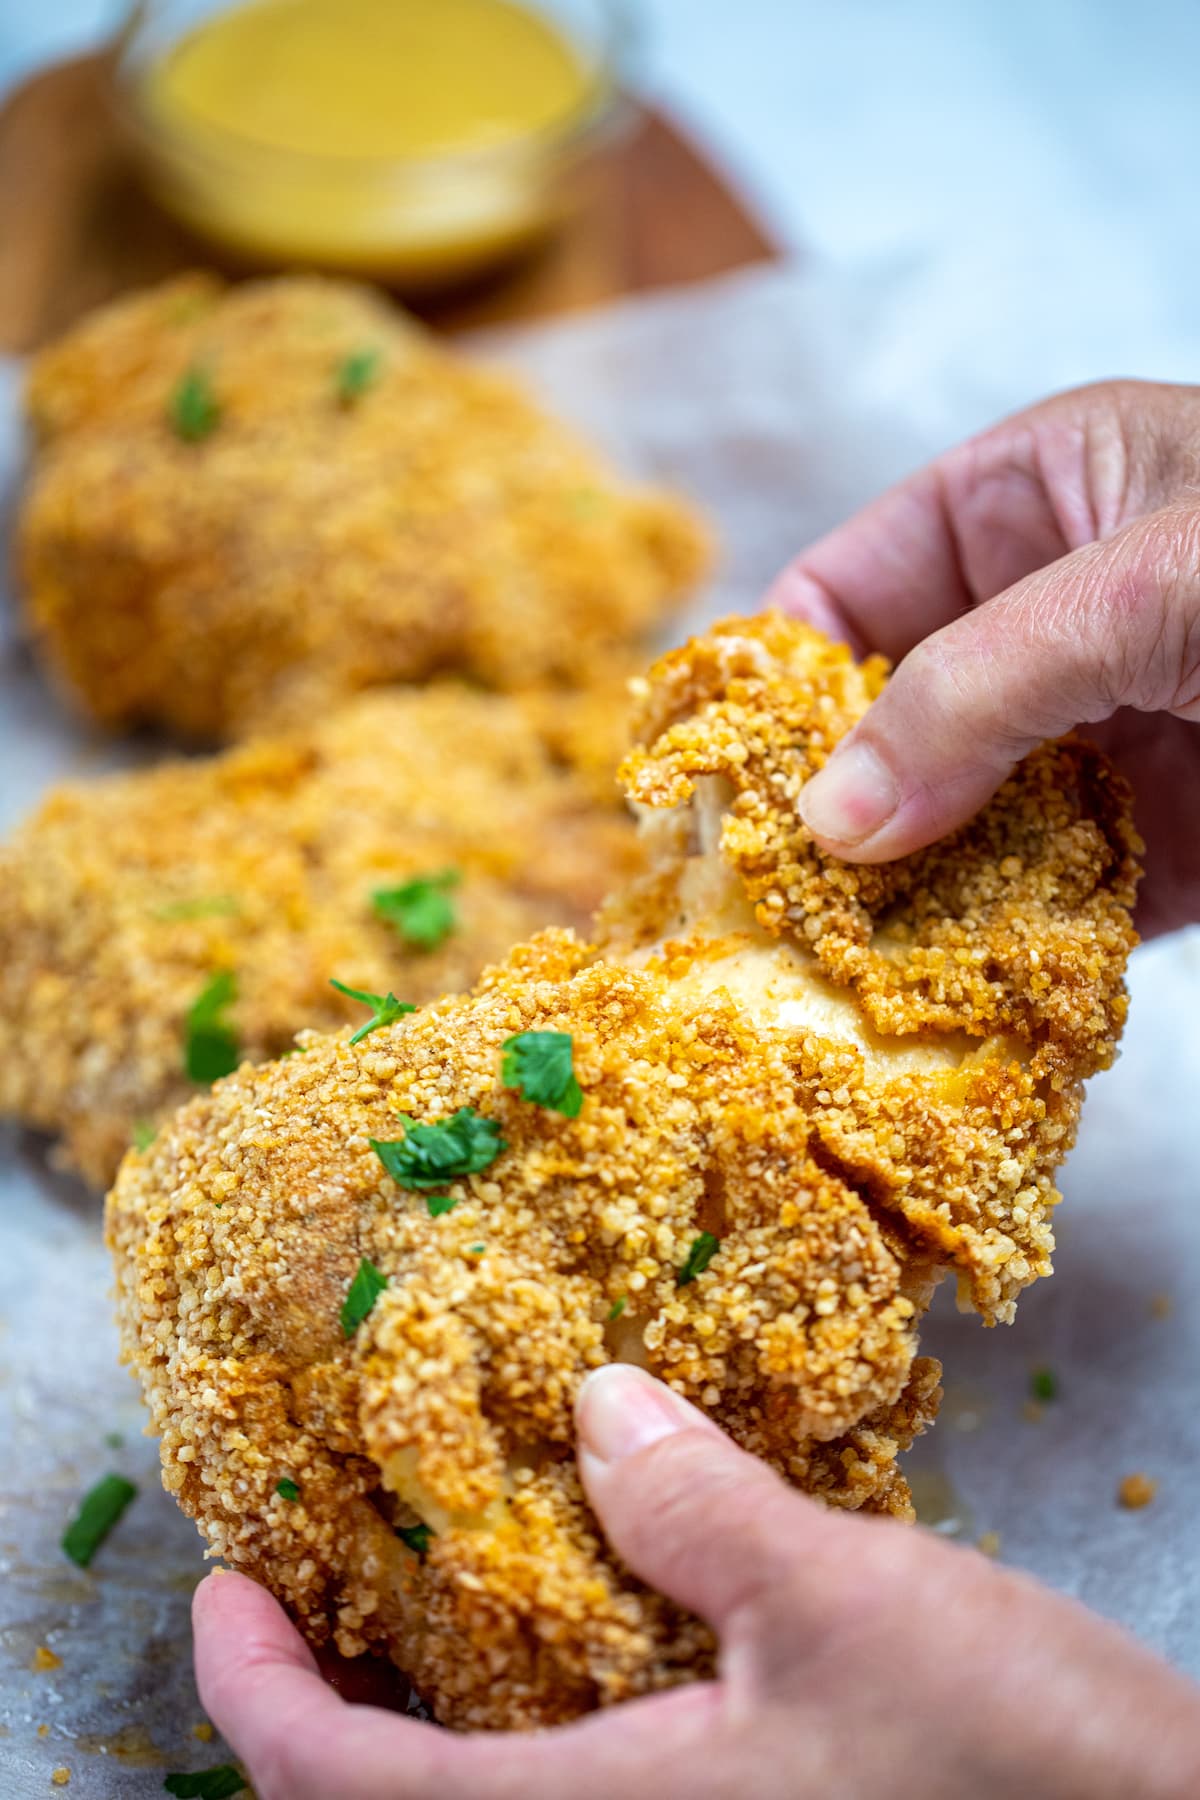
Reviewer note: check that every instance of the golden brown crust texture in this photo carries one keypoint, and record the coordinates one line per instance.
(310, 546)
(237, 1236)
(855, 1081)
(122, 898)
(979, 982)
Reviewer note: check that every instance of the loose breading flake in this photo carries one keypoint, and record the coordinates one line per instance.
(108, 933)
(217, 533)
(1137, 1490)
(832, 1129)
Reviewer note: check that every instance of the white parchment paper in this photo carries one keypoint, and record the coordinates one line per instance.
(780, 402)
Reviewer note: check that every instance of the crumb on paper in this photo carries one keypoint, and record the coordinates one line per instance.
(1033, 1412)
(43, 1731)
(44, 1659)
(203, 1731)
(1137, 1490)
(1161, 1306)
(61, 1777)
(989, 1543)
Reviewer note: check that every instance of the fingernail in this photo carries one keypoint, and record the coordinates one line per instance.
(621, 1409)
(851, 797)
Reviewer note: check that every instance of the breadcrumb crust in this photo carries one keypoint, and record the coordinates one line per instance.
(121, 897)
(307, 547)
(843, 1166)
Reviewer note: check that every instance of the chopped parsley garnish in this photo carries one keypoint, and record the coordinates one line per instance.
(538, 1064)
(143, 1135)
(98, 1512)
(369, 1282)
(703, 1249)
(114, 1440)
(476, 1249)
(421, 910)
(211, 1044)
(287, 1489)
(416, 1537)
(356, 373)
(207, 1784)
(387, 1009)
(194, 410)
(432, 1156)
(1043, 1384)
(617, 1308)
(212, 906)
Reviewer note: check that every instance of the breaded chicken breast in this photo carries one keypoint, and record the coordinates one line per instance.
(738, 1141)
(247, 503)
(195, 914)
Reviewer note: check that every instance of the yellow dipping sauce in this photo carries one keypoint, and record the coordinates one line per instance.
(411, 138)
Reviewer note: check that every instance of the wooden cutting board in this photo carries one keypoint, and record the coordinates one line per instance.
(77, 229)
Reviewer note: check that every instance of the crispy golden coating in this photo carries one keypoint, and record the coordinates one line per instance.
(978, 982)
(121, 898)
(734, 1084)
(309, 545)
(238, 1234)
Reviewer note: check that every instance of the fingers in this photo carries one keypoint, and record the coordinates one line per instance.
(259, 1684)
(690, 1513)
(883, 580)
(990, 512)
(1114, 624)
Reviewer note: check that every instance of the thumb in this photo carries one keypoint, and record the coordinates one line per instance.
(1113, 624)
(700, 1520)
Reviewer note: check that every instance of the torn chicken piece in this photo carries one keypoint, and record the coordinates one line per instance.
(947, 1007)
(200, 910)
(247, 503)
(805, 1092)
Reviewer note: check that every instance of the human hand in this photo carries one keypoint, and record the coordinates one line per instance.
(1044, 575)
(859, 1657)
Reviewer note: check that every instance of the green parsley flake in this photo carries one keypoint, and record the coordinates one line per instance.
(703, 1249)
(143, 1135)
(476, 1249)
(208, 1784)
(387, 1009)
(356, 373)
(1043, 1384)
(617, 1308)
(416, 1537)
(194, 409)
(538, 1064)
(364, 1291)
(421, 910)
(287, 1489)
(98, 1512)
(432, 1156)
(215, 906)
(114, 1440)
(211, 1045)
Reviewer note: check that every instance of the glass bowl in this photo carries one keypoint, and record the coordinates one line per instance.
(417, 223)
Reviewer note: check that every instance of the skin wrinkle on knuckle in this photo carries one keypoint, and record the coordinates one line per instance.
(1179, 647)
(793, 1597)
(937, 697)
(1140, 613)
(1121, 478)
(670, 1506)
